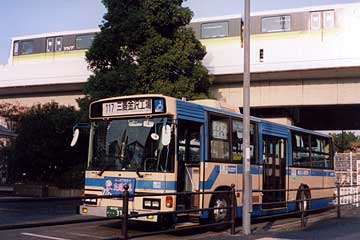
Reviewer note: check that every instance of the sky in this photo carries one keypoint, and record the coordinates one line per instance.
(25, 17)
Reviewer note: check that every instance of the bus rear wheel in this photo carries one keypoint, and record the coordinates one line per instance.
(220, 200)
(303, 205)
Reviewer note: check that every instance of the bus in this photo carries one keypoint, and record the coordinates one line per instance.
(159, 144)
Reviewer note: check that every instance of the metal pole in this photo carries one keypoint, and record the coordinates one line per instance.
(351, 171)
(357, 183)
(247, 191)
(338, 201)
(233, 209)
(125, 219)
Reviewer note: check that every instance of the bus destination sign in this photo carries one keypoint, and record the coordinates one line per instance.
(127, 107)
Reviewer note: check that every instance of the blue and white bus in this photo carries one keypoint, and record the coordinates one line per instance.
(159, 144)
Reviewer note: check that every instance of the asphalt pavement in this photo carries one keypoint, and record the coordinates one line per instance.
(322, 225)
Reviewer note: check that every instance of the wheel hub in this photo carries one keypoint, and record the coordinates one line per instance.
(220, 214)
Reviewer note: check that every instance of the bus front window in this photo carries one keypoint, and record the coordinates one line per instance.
(132, 145)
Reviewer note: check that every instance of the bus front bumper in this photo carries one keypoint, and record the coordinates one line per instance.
(109, 211)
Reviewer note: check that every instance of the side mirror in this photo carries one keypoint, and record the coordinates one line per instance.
(166, 135)
(75, 138)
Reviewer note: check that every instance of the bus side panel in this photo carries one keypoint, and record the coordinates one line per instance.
(313, 178)
(219, 175)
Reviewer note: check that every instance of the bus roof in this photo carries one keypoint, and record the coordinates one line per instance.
(215, 106)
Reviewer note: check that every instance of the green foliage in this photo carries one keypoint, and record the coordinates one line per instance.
(145, 46)
(42, 148)
(344, 141)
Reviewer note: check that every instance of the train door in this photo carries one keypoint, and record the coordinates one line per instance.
(188, 177)
(274, 175)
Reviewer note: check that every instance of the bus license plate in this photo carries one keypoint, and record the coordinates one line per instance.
(113, 211)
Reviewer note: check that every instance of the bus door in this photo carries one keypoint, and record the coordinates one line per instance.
(274, 175)
(188, 177)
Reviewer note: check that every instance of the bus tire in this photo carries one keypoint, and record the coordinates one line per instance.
(220, 215)
(306, 201)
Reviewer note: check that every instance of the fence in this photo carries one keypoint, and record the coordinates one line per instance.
(349, 195)
(302, 201)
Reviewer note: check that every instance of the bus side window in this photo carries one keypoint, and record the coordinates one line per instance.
(237, 141)
(301, 150)
(219, 138)
(320, 152)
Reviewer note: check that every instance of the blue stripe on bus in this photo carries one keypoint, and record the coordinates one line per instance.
(212, 178)
(140, 184)
(291, 206)
(216, 171)
(317, 173)
(149, 184)
(311, 172)
(253, 169)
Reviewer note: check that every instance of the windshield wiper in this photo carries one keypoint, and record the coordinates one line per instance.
(137, 170)
(103, 170)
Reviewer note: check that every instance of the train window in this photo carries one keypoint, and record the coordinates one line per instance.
(27, 47)
(58, 44)
(261, 55)
(329, 19)
(322, 20)
(276, 24)
(84, 41)
(315, 20)
(214, 30)
(16, 48)
(49, 44)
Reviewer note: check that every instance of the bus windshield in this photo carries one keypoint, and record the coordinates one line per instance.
(132, 145)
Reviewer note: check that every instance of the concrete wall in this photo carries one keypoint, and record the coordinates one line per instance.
(292, 92)
(68, 100)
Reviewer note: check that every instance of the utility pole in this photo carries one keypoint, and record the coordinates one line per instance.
(247, 188)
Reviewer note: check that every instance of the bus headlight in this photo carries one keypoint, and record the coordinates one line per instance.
(156, 204)
(149, 203)
(90, 201)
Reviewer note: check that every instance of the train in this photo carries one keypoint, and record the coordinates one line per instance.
(289, 39)
(299, 57)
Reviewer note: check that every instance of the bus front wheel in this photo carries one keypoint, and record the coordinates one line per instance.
(221, 201)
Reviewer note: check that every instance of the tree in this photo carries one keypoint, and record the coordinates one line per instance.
(11, 113)
(42, 153)
(344, 141)
(145, 46)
